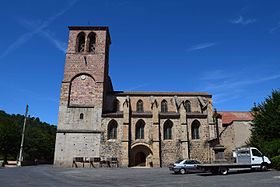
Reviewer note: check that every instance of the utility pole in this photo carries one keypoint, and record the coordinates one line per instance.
(22, 138)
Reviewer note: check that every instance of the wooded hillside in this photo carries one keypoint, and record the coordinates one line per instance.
(39, 142)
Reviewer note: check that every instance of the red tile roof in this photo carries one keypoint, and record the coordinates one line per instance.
(229, 117)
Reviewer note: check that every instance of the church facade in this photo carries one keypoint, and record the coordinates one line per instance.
(151, 129)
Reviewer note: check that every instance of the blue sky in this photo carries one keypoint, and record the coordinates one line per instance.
(227, 48)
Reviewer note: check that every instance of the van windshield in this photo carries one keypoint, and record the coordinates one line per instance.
(255, 152)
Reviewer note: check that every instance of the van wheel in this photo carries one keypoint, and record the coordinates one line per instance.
(264, 167)
(182, 171)
(223, 170)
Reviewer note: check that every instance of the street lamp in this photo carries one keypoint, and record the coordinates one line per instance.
(20, 159)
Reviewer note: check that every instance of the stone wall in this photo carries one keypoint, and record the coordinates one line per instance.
(82, 91)
(227, 138)
(234, 135)
(111, 147)
(69, 145)
(69, 119)
(242, 130)
(199, 148)
(171, 148)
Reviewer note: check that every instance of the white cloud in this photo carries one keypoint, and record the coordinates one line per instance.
(46, 34)
(57, 43)
(137, 87)
(242, 21)
(217, 74)
(225, 98)
(202, 46)
(254, 81)
(274, 29)
(39, 29)
(229, 86)
(20, 41)
(232, 83)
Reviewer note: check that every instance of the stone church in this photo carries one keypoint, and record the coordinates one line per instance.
(151, 129)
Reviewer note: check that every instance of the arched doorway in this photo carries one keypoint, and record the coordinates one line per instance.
(141, 155)
(140, 159)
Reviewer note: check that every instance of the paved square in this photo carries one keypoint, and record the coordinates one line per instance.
(51, 176)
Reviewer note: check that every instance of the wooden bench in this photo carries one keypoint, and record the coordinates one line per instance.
(105, 162)
(96, 161)
(77, 159)
(114, 162)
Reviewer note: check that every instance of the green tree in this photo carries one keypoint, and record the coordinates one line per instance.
(9, 137)
(39, 138)
(266, 125)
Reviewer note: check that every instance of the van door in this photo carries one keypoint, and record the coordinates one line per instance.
(256, 158)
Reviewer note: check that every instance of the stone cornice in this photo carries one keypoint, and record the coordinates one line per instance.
(164, 115)
(142, 114)
(113, 115)
(77, 131)
(196, 115)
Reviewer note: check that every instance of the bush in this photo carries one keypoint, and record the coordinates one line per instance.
(270, 148)
(275, 162)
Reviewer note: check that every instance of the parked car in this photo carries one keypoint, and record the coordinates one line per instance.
(185, 166)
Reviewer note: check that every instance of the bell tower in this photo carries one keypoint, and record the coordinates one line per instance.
(83, 94)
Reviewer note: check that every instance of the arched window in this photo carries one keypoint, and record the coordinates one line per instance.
(117, 105)
(112, 130)
(81, 42)
(139, 130)
(188, 106)
(195, 129)
(81, 116)
(167, 130)
(164, 107)
(91, 42)
(139, 106)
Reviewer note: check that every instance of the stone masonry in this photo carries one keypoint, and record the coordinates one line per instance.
(150, 129)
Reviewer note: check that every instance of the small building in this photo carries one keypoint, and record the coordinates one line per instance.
(235, 130)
